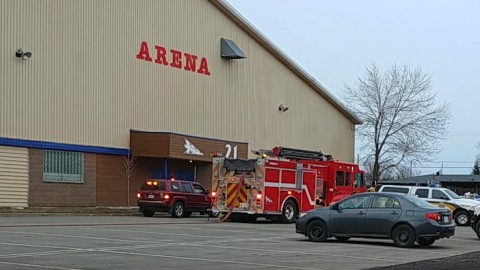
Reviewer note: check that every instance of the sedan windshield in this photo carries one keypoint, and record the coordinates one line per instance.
(452, 194)
(418, 202)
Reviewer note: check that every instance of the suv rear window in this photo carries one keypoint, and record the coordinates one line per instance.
(153, 185)
(395, 189)
(422, 192)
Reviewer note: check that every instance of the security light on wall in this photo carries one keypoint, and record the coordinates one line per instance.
(282, 108)
(230, 50)
(24, 55)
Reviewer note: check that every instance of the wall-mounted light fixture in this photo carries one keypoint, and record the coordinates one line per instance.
(24, 55)
(282, 108)
(230, 50)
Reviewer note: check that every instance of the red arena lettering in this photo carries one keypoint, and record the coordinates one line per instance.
(143, 54)
(203, 69)
(174, 58)
(161, 55)
(190, 62)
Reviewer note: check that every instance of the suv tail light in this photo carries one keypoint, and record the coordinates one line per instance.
(434, 216)
(139, 195)
(166, 197)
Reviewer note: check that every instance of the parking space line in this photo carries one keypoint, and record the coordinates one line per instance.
(210, 260)
(81, 237)
(160, 233)
(39, 266)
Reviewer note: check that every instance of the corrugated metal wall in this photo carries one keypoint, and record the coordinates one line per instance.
(85, 85)
(13, 177)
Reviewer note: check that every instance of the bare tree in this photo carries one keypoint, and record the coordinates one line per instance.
(129, 163)
(402, 122)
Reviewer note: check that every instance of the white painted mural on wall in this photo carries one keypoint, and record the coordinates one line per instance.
(191, 149)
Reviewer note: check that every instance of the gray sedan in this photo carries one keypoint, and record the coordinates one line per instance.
(405, 219)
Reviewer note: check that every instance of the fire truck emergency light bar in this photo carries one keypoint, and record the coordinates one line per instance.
(293, 153)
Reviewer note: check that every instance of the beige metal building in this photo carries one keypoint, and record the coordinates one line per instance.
(85, 83)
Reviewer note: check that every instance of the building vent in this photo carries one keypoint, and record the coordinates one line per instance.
(230, 50)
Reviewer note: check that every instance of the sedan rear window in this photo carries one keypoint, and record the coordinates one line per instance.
(395, 189)
(418, 202)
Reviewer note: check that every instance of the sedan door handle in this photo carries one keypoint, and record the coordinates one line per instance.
(394, 213)
(361, 213)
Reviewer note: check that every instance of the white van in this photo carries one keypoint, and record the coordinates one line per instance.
(462, 209)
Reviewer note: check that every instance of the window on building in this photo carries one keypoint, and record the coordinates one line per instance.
(62, 166)
(340, 178)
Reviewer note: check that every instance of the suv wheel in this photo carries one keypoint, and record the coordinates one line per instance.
(462, 218)
(477, 229)
(178, 210)
(148, 213)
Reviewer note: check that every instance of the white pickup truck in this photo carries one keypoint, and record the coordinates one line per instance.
(462, 209)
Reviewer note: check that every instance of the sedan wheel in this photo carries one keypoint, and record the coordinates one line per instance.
(177, 210)
(426, 241)
(462, 218)
(403, 236)
(317, 231)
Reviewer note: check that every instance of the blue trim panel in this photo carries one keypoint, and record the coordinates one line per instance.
(64, 146)
(191, 136)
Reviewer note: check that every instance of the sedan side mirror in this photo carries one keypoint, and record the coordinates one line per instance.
(334, 207)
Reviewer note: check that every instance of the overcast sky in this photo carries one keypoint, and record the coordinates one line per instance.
(334, 41)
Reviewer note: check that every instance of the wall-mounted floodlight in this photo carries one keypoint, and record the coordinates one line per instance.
(282, 108)
(230, 50)
(24, 55)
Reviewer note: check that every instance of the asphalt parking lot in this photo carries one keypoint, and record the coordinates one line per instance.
(134, 242)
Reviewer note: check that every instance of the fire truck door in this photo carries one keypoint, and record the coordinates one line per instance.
(272, 189)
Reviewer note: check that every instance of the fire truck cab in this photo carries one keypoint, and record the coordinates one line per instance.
(281, 184)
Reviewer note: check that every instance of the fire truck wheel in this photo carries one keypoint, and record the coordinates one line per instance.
(178, 210)
(213, 214)
(289, 212)
(317, 231)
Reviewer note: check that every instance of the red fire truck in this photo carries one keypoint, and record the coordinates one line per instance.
(281, 184)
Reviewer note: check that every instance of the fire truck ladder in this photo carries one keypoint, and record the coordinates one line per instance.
(293, 153)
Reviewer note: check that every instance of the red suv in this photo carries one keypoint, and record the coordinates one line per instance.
(180, 198)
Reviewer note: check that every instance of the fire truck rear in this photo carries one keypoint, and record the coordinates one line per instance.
(281, 184)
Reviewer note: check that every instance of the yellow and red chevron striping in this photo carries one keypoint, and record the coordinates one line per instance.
(232, 192)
